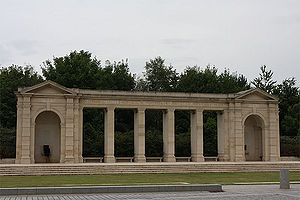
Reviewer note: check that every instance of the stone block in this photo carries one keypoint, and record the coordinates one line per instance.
(284, 179)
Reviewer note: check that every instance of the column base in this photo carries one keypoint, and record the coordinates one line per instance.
(140, 159)
(80, 159)
(223, 158)
(109, 159)
(240, 159)
(197, 158)
(69, 159)
(169, 159)
(274, 158)
(25, 160)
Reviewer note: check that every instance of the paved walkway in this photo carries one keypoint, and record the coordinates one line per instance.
(242, 192)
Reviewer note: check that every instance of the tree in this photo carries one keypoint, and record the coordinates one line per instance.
(159, 77)
(115, 76)
(265, 81)
(76, 70)
(289, 101)
(11, 78)
(194, 79)
(232, 82)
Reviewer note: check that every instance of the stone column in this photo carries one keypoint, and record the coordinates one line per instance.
(109, 122)
(77, 156)
(221, 135)
(239, 136)
(69, 150)
(80, 138)
(274, 141)
(19, 129)
(26, 128)
(197, 136)
(139, 135)
(225, 120)
(231, 124)
(168, 135)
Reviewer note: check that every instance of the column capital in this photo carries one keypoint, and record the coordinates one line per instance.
(169, 110)
(109, 108)
(140, 109)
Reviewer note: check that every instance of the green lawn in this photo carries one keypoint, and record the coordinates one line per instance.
(143, 179)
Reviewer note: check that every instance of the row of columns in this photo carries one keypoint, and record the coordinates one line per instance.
(168, 135)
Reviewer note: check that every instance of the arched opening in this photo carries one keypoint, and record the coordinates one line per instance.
(47, 138)
(253, 138)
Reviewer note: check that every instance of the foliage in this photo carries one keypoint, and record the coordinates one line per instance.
(154, 143)
(210, 133)
(76, 70)
(265, 81)
(194, 79)
(115, 76)
(7, 142)
(80, 70)
(289, 106)
(159, 77)
(290, 145)
(124, 144)
(93, 132)
(12, 78)
(182, 144)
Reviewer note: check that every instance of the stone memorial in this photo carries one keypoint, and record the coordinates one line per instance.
(51, 116)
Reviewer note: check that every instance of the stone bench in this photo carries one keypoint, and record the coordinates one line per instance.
(210, 158)
(154, 159)
(183, 159)
(93, 159)
(124, 159)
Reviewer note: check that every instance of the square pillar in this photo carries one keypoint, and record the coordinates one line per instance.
(274, 136)
(80, 136)
(231, 129)
(19, 129)
(109, 123)
(139, 135)
(197, 136)
(168, 135)
(25, 154)
(239, 136)
(69, 139)
(221, 135)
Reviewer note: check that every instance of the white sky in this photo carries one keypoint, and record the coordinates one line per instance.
(241, 35)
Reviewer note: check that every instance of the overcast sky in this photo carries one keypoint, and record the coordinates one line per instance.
(241, 35)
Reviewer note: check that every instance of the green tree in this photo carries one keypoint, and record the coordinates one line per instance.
(194, 79)
(159, 76)
(232, 82)
(265, 80)
(289, 101)
(11, 78)
(76, 70)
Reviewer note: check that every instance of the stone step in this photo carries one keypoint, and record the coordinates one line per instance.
(63, 169)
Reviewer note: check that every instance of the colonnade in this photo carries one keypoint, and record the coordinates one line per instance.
(68, 104)
(196, 123)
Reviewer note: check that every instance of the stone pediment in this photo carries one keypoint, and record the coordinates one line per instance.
(255, 94)
(47, 87)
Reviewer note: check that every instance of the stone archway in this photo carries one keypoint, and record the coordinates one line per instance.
(253, 138)
(47, 132)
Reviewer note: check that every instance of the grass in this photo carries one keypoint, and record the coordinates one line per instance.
(143, 179)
